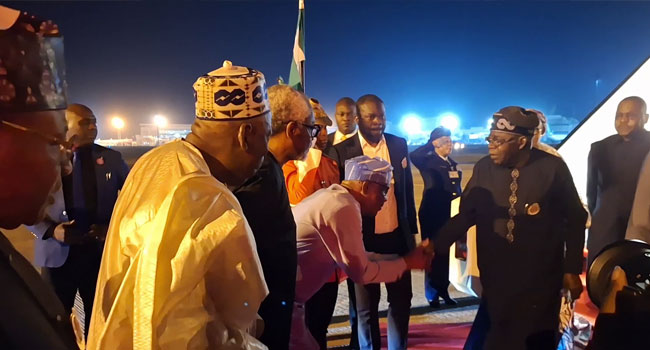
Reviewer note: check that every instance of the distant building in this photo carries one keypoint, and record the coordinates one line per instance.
(115, 142)
(559, 127)
(150, 134)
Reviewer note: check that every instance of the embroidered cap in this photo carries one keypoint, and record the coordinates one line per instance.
(515, 120)
(319, 113)
(231, 92)
(364, 168)
(32, 72)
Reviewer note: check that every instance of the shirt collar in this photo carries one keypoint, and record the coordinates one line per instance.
(365, 143)
(339, 134)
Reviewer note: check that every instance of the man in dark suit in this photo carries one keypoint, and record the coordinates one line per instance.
(71, 239)
(32, 134)
(442, 181)
(346, 121)
(391, 231)
(613, 172)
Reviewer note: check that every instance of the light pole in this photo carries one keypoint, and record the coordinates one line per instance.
(160, 122)
(118, 124)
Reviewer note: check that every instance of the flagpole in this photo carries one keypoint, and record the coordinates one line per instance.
(297, 71)
(301, 5)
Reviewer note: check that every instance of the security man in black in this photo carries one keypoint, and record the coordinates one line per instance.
(442, 184)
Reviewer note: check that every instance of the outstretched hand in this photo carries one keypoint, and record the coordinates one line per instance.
(420, 258)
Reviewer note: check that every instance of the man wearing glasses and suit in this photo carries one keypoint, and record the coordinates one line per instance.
(265, 203)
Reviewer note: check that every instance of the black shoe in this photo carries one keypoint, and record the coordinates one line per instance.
(449, 301)
(435, 304)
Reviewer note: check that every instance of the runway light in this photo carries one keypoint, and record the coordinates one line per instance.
(117, 123)
(411, 124)
(450, 121)
(160, 121)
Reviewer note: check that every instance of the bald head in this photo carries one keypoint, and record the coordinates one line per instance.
(346, 115)
(82, 125)
(631, 115)
(637, 102)
(288, 105)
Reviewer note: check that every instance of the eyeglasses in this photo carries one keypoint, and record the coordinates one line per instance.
(314, 130)
(497, 142)
(54, 141)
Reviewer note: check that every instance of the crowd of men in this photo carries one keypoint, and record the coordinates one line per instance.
(237, 236)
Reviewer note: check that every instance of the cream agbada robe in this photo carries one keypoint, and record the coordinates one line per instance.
(180, 268)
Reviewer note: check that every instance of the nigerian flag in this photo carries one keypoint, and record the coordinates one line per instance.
(297, 74)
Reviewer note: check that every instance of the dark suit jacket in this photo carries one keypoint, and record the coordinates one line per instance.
(399, 157)
(330, 139)
(110, 172)
(439, 188)
(613, 172)
(32, 316)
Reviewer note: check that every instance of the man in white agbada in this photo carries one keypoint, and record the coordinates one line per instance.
(180, 268)
(328, 228)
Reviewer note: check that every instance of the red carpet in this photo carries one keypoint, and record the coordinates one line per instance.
(433, 336)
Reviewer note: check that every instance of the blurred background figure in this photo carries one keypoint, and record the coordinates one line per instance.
(71, 238)
(639, 225)
(613, 172)
(541, 130)
(442, 181)
(346, 121)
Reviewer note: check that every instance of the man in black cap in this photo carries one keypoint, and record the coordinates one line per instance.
(32, 130)
(613, 172)
(529, 234)
(442, 181)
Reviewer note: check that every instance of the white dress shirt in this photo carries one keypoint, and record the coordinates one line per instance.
(340, 137)
(386, 220)
(328, 228)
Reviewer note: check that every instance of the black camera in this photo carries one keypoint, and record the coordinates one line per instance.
(634, 258)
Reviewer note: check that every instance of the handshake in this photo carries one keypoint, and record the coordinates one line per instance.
(70, 233)
(420, 258)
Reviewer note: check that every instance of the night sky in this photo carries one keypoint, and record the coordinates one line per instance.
(137, 59)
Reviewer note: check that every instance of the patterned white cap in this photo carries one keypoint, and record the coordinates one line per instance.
(364, 168)
(231, 92)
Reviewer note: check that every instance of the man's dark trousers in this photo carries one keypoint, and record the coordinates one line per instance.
(399, 299)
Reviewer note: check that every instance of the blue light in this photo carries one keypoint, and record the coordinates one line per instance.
(411, 124)
(450, 121)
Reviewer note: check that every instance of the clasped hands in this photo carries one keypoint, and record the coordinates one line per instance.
(70, 233)
(420, 258)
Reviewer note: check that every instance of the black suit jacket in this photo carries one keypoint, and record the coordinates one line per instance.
(439, 188)
(32, 316)
(613, 172)
(330, 139)
(399, 157)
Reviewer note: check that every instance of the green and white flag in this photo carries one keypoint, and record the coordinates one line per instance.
(297, 74)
